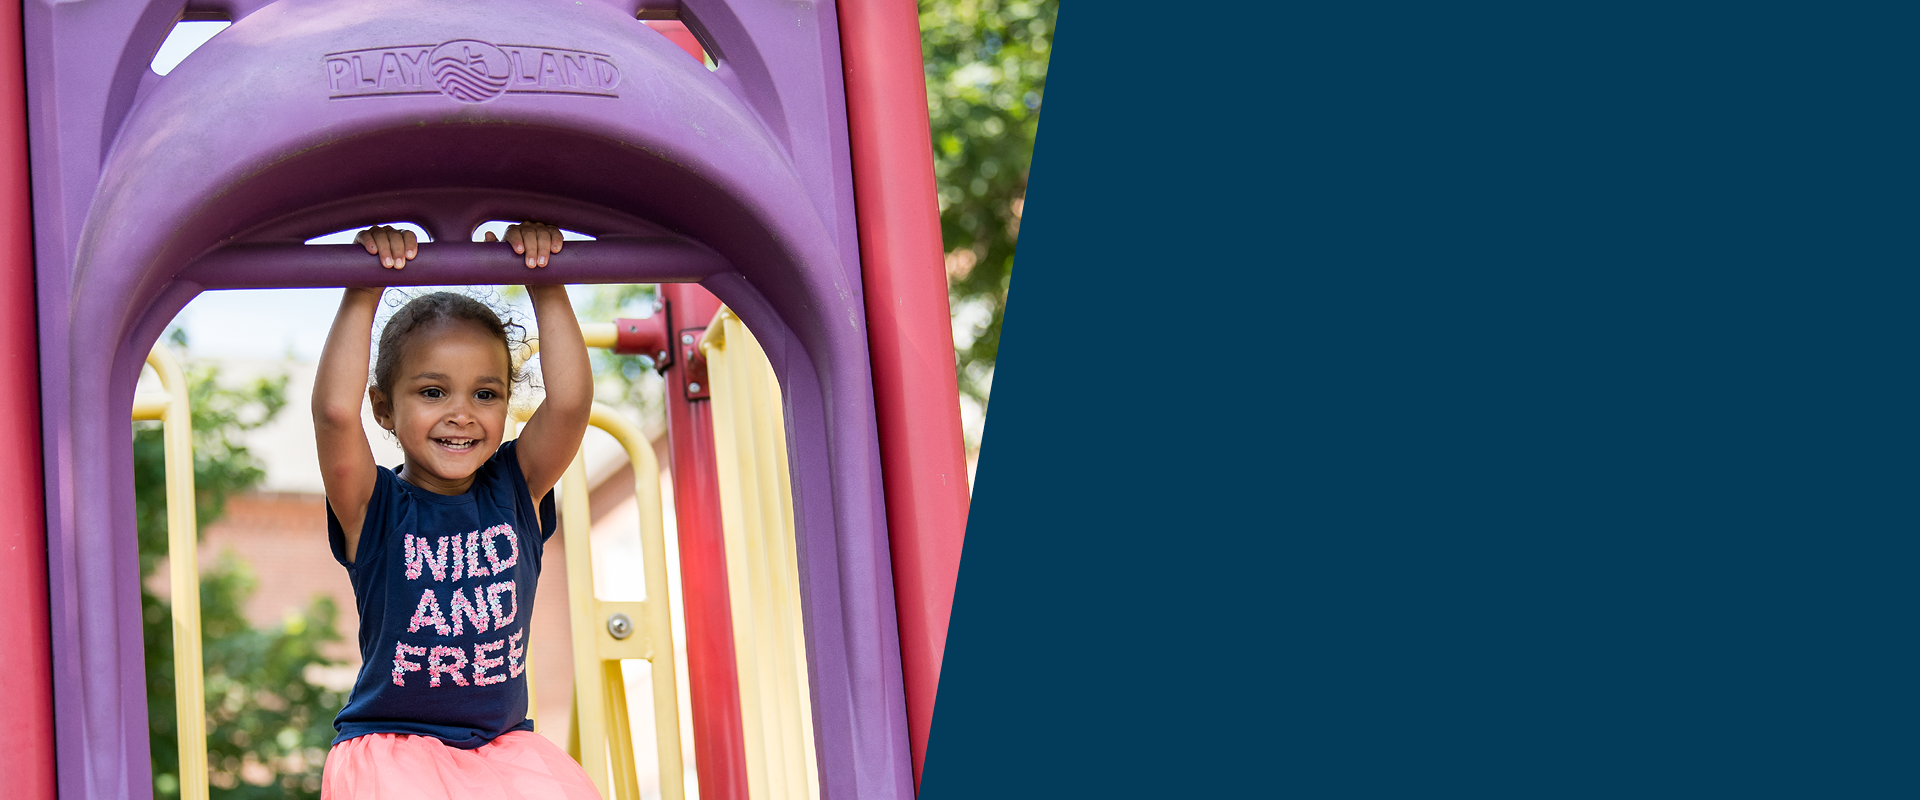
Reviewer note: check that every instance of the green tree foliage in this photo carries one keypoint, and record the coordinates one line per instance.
(986, 66)
(268, 728)
(623, 380)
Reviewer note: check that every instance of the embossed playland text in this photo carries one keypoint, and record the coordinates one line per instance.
(469, 71)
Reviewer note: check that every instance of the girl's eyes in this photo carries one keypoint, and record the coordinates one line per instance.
(435, 393)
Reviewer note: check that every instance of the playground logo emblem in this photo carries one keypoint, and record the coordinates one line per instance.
(469, 71)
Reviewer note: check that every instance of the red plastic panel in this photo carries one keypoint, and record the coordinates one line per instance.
(923, 462)
(26, 718)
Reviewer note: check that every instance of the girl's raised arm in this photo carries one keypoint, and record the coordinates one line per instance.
(347, 469)
(552, 437)
(346, 462)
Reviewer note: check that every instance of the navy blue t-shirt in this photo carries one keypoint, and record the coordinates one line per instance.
(445, 589)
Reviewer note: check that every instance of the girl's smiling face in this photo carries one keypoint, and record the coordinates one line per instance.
(449, 404)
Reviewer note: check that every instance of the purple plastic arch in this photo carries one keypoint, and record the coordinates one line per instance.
(149, 190)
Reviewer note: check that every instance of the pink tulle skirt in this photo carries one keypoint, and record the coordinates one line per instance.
(385, 766)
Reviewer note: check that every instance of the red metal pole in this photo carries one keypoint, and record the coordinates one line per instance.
(909, 335)
(26, 717)
(713, 679)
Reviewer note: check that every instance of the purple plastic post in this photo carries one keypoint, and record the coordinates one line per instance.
(308, 117)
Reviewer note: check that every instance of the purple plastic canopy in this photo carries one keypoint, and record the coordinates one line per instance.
(308, 117)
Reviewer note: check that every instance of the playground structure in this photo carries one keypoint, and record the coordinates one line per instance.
(758, 528)
(600, 736)
(757, 514)
(791, 180)
(170, 407)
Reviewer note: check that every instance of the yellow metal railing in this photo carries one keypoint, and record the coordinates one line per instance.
(756, 514)
(189, 691)
(605, 632)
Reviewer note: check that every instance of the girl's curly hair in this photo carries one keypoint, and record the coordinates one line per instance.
(429, 309)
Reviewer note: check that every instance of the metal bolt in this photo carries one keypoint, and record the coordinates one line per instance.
(619, 626)
(693, 387)
(686, 338)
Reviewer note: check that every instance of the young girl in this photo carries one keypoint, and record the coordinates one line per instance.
(445, 552)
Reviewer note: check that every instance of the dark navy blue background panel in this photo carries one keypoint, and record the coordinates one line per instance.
(1407, 400)
(445, 586)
